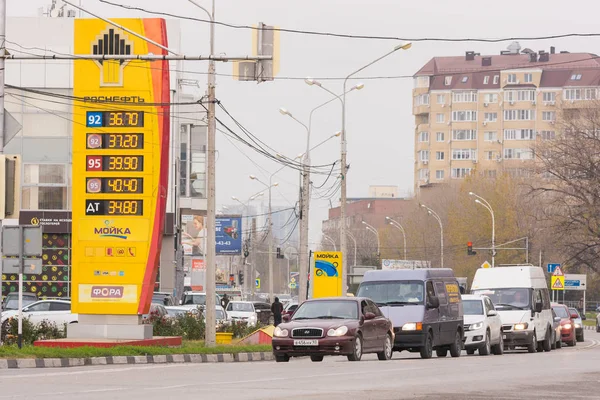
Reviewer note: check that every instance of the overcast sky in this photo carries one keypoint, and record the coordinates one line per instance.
(380, 126)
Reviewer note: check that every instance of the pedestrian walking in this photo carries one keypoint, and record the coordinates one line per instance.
(224, 301)
(277, 310)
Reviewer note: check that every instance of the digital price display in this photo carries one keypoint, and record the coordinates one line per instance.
(114, 119)
(114, 207)
(115, 141)
(115, 163)
(115, 185)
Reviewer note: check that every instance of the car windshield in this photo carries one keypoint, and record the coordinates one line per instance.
(329, 309)
(508, 299)
(240, 307)
(220, 314)
(175, 313)
(13, 304)
(472, 307)
(561, 312)
(196, 299)
(393, 292)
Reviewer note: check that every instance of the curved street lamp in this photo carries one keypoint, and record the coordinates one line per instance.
(398, 226)
(370, 228)
(483, 202)
(439, 220)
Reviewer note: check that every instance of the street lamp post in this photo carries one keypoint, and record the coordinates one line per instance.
(355, 248)
(250, 274)
(270, 229)
(372, 229)
(398, 226)
(481, 201)
(330, 240)
(439, 220)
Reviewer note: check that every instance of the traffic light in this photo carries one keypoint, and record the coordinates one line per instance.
(241, 277)
(470, 251)
(10, 186)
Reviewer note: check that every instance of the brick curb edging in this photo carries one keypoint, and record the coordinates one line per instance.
(589, 328)
(21, 363)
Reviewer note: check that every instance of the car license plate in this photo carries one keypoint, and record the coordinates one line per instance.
(306, 342)
(503, 336)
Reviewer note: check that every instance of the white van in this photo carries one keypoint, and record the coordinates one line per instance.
(520, 295)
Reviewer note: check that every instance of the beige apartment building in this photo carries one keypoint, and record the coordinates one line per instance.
(483, 114)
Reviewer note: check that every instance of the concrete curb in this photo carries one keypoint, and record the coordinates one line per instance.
(23, 363)
(589, 328)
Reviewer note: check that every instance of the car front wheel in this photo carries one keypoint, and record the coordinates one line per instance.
(358, 348)
(456, 347)
(427, 349)
(531, 347)
(282, 358)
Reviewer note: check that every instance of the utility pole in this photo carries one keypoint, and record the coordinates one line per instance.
(270, 239)
(305, 200)
(2, 73)
(253, 251)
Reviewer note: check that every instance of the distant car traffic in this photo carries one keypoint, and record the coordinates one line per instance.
(242, 311)
(567, 326)
(56, 311)
(556, 341)
(483, 327)
(157, 310)
(197, 299)
(11, 300)
(263, 312)
(290, 308)
(164, 298)
(578, 321)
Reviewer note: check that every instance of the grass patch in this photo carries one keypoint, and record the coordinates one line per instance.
(188, 347)
(590, 319)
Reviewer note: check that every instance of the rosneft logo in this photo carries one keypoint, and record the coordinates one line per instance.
(112, 42)
(107, 292)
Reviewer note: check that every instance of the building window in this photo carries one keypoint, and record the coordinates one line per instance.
(518, 115)
(193, 160)
(490, 117)
(490, 173)
(464, 97)
(422, 82)
(464, 134)
(422, 100)
(519, 134)
(440, 136)
(424, 137)
(490, 98)
(548, 135)
(486, 80)
(518, 154)
(580, 94)
(576, 77)
(518, 172)
(423, 174)
(448, 80)
(439, 174)
(45, 187)
(496, 79)
(439, 155)
(465, 79)
(424, 155)
(549, 116)
(519, 95)
(439, 118)
(490, 155)
(461, 116)
(464, 154)
(459, 173)
(490, 136)
(512, 78)
(528, 78)
(441, 99)
(549, 97)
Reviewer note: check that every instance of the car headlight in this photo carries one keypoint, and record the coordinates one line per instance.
(521, 326)
(577, 326)
(567, 326)
(278, 332)
(476, 326)
(412, 326)
(341, 331)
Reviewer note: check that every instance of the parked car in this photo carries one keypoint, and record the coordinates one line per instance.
(164, 298)
(175, 311)
(567, 326)
(263, 312)
(290, 308)
(343, 326)
(156, 309)
(578, 321)
(56, 311)
(242, 311)
(483, 327)
(424, 306)
(197, 299)
(556, 341)
(11, 300)
(520, 295)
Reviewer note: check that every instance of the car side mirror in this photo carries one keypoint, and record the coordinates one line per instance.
(574, 316)
(538, 307)
(492, 313)
(556, 319)
(369, 315)
(286, 318)
(433, 302)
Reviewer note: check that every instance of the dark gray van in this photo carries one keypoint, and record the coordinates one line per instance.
(424, 306)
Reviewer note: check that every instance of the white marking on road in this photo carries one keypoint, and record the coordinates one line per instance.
(28, 395)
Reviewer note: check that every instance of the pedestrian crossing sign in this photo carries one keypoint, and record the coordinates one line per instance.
(558, 283)
(558, 272)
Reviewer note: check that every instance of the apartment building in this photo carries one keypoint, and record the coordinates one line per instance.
(484, 114)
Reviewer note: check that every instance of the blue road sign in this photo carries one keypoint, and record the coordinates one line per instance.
(572, 283)
(552, 267)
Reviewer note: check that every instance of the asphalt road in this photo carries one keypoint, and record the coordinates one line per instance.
(567, 373)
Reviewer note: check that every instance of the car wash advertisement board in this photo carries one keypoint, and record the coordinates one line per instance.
(120, 165)
(326, 274)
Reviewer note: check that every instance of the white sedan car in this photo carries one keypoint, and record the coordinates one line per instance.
(242, 311)
(483, 327)
(57, 311)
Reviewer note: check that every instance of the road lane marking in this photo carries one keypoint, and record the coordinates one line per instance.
(91, 391)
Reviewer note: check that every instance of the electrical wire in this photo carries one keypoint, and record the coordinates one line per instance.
(356, 36)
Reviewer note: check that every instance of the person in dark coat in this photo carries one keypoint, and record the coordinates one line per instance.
(277, 310)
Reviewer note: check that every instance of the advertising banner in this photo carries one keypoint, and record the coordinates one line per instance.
(228, 232)
(326, 274)
(229, 236)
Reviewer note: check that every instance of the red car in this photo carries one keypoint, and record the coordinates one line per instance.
(347, 326)
(567, 325)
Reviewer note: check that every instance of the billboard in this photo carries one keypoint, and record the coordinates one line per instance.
(326, 274)
(228, 233)
(121, 128)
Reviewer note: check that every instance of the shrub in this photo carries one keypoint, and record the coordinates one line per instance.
(42, 331)
(192, 325)
(162, 325)
(239, 329)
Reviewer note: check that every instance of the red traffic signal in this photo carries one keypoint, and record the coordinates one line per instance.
(470, 251)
